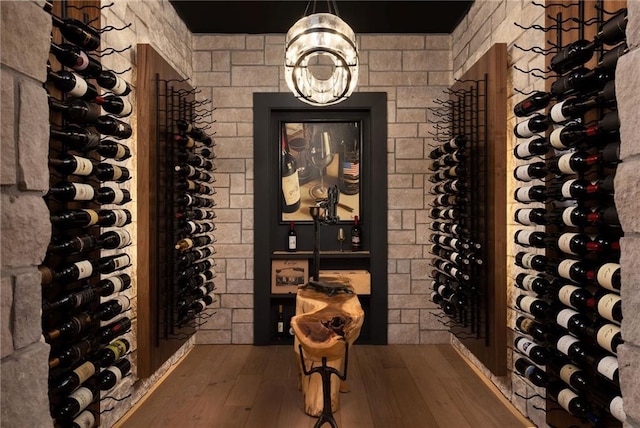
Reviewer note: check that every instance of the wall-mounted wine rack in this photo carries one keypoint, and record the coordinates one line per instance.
(469, 226)
(86, 276)
(569, 303)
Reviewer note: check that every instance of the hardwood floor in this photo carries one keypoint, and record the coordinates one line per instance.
(395, 386)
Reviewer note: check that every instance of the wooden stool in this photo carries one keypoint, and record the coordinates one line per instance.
(323, 326)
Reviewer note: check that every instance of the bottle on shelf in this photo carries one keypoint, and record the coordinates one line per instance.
(446, 306)
(189, 200)
(191, 227)
(71, 354)
(71, 327)
(573, 163)
(190, 129)
(114, 105)
(68, 191)
(200, 279)
(86, 268)
(84, 140)
(280, 322)
(109, 125)
(534, 306)
(538, 146)
(112, 375)
(112, 195)
(578, 188)
(110, 331)
(76, 110)
(575, 297)
(567, 399)
(530, 238)
(455, 143)
(292, 238)
(356, 235)
(577, 216)
(577, 244)
(531, 327)
(197, 214)
(75, 31)
(88, 217)
(569, 373)
(73, 379)
(536, 353)
(195, 269)
(109, 80)
(103, 288)
(531, 171)
(112, 352)
(72, 165)
(574, 270)
(196, 160)
(192, 172)
(533, 261)
(533, 125)
(193, 255)
(75, 58)
(72, 84)
(531, 216)
(449, 200)
(580, 80)
(608, 276)
(573, 134)
(450, 269)
(608, 305)
(575, 107)
(534, 283)
(76, 402)
(111, 240)
(111, 308)
(534, 102)
(198, 241)
(531, 372)
(527, 194)
(449, 186)
(111, 149)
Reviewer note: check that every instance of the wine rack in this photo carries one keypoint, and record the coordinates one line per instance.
(467, 225)
(87, 273)
(567, 149)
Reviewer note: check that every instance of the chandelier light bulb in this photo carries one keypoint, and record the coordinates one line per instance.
(325, 39)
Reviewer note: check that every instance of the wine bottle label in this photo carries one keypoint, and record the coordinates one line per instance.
(530, 371)
(291, 189)
(120, 85)
(523, 237)
(522, 150)
(441, 289)
(121, 152)
(83, 166)
(564, 398)
(605, 275)
(80, 87)
(608, 367)
(86, 419)
(527, 259)
(528, 281)
(83, 396)
(83, 297)
(567, 371)
(117, 283)
(523, 216)
(606, 304)
(555, 139)
(124, 301)
(525, 346)
(118, 347)
(84, 192)
(556, 113)
(566, 189)
(82, 62)
(116, 372)
(85, 371)
(564, 294)
(564, 268)
(126, 108)
(522, 130)
(522, 194)
(564, 164)
(566, 216)
(117, 173)
(85, 269)
(522, 173)
(563, 317)
(616, 409)
(280, 327)
(292, 242)
(565, 342)
(564, 243)
(121, 218)
(118, 195)
(93, 217)
(83, 242)
(605, 336)
(121, 261)
(526, 302)
(526, 324)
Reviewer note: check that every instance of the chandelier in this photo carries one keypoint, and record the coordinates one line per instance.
(321, 59)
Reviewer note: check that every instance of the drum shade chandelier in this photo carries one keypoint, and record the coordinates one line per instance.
(311, 40)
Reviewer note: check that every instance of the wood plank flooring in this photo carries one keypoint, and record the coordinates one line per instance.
(395, 386)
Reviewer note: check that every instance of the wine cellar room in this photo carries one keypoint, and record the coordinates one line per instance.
(198, 230)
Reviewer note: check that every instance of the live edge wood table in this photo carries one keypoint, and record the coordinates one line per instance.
(323, 326)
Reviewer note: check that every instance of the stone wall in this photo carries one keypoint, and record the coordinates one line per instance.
(413, 70)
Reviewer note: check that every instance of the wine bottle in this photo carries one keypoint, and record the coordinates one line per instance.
(114, 105)
(531, 216)
(112, 375)
(280, 322)
(579, 52)
(112, 352)
(531, 261)
(534, 125)
(191, 227)
(608, 276)
(77, 137)
(446, 306)
(71, 354)
(112, 195)
(575, 188)
(606, 366)
(88, 217)
(194, 242)
(575, 297)
(534, 306)
(196, 269)
(536, 353)
(110, 331)
(577, 216)
(449, 186)
(198, 161)
(535, 283)
(85, 419)
(568, 399)
(609, 306)
(75, 58)
(356, 235)
(83, 243)
(573, 270)
(349, 167)
(193, 187)
(457, 142)
(607, 335)
(535, 147)
(76, 110)
(577, 244)
(67, 191)
(200, 279)
(572, 163)
(575, 107)
(290, 183)
(529, 194)
(292, 238)
(197, 214)
(612, 402)
(72, 165)
(569, 373)
(200, 292)
(534, 102)
(76, 402)
(572, 321)
(529, 172)
(190, 129)
(71, 301)
(195, 254)
(449, 200)
(531, 372)
(87, 268)
(569, 346)
(533, 328)
(451, 172)
(73, 379)
(573, 134)
(114, 127)
(72, 84)
(76, 31)
(580, 80)
(71, 327)
(451, 269)
(190, 171)
(111, 308)
(451, 242)
(109, 80)
(530, 238)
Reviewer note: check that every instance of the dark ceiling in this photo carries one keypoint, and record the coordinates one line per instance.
(264, 17)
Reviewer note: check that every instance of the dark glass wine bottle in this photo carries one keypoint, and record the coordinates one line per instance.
(194, 242)
(608, 305)
(85, 419)
(531, 216)
(112, 375)
(112, 195)
(74, 57)
(195, 254)
(190, 129)
(112, 352)
(580, 80)
(114, 105)
(531, 327)
(567, 399)
(530, 238)
(73, 326)
(577, 216)
(71, 301)
(73, 379)
(575, 297)
(457, 142)
(532, 305)
(77, 137)
(83, 243)
(76, 402)
(566, 137)
(573, 270)
(535, 283)
(72, 165)
(536, 353)
(535, 147)
(75, 110)
(531, 171)
(534, 102)
(111, 308)
(290, 183)
(73, 84)
(573, 163)
(105, 171)
(197, 214)
(292, 238)
(446, 306)
(531, 372)
(569, 373)
(195, 201)
(577, 244)
(608, 276)
(200, 279)
(71, 354)
(191, 227)
(196, 268)
(569, 345)
(575, 188)
(450, 269)
(190, 171)
(110, 331)
(575, 107)
(76, 31)
(68, 191)
(534, 125)
(108, 125)
(109, 80)
(356, 235)
(531, 261)
(87, 268)
(526, 194)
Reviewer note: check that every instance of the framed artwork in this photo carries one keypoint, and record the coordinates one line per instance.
(315, 155)
(288, 274)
